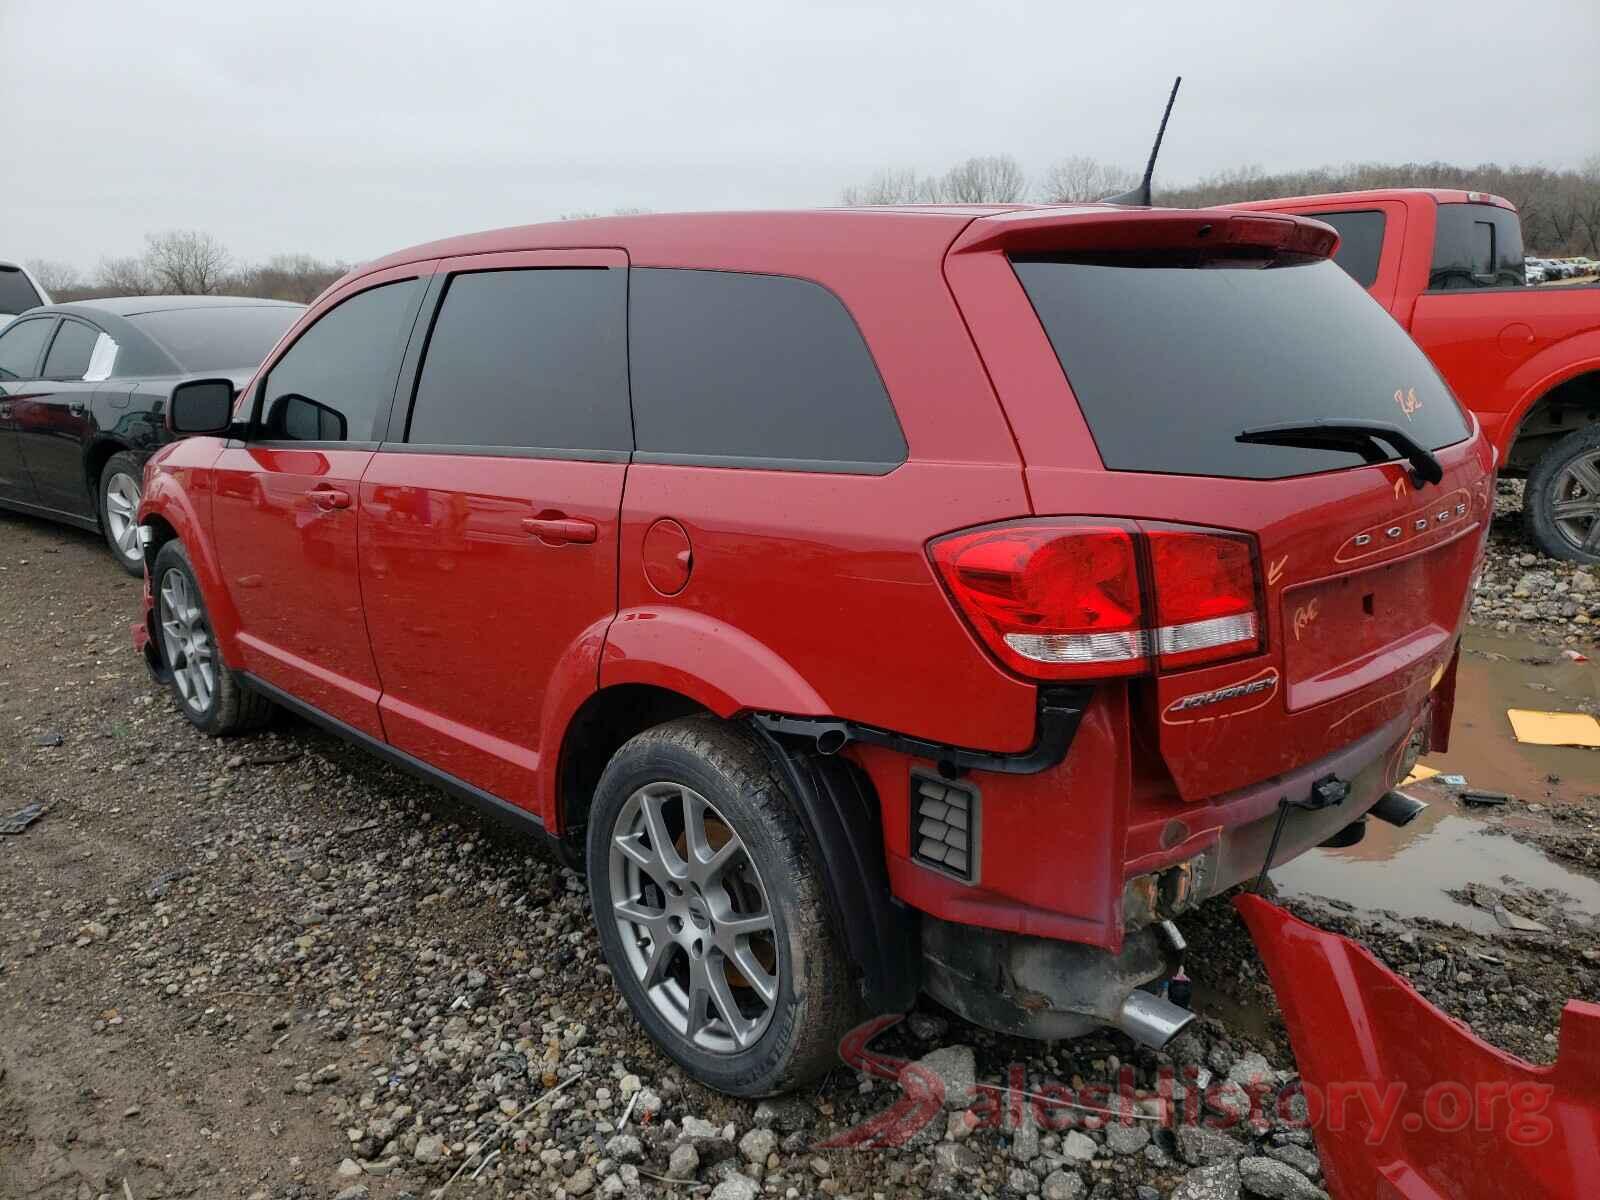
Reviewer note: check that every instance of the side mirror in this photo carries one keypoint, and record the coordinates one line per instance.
(201, 406)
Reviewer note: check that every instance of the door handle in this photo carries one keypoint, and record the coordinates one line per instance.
(555, 531)
(328, 499)
(78, 410)
(5, 411)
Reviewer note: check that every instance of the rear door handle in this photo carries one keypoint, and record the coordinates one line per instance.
(328, 499)
(556, 530)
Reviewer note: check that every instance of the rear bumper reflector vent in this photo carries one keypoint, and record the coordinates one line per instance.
(944, 827)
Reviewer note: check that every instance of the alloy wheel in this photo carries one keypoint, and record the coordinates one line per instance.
(122, 514)
(694, 918)
(187, 641)
(1575, 504)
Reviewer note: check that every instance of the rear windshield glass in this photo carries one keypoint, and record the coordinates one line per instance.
(1170, 364)
(16, 293)
(218, 339)
(1477, 246)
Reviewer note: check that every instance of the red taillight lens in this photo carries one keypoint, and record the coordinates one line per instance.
(1052, 600)
(1061, 599)
(1206, 605)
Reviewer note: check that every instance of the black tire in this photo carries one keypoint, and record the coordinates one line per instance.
(112, 495)
(814, 1002)
(1566, 534)
(226, 706)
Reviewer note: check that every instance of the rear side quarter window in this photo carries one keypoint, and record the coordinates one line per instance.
(1360, 242)
(770, 371)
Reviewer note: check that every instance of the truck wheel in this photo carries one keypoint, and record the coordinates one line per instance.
(710, 907)
(118, 490)
(1561, 506)
(208, 692)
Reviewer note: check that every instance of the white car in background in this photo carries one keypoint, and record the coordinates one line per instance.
(19, 290)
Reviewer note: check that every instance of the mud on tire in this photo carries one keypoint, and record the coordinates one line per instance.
(1561, 503)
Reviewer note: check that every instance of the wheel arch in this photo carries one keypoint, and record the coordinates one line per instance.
(1546, 412)
(96, 454)
(169, 509)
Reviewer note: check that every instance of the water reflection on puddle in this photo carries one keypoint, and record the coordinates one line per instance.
(1409, 870)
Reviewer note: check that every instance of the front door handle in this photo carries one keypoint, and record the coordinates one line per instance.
(555, 531)
(5, 411)
(328, 498)
(78, 409)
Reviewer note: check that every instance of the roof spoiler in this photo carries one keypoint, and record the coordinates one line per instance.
(1140, 195)
(1198, 235)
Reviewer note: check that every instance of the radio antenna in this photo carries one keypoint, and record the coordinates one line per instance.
(1141, 195)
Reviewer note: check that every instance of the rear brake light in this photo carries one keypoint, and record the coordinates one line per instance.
(1206, 601)
(1063, 599)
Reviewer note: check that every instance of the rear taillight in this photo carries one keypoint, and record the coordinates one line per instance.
(1082, 599)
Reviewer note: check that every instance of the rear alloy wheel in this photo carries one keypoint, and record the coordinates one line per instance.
(1561, 504)
(119, 510)
(709, 905)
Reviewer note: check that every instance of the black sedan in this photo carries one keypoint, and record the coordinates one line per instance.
(83, 397)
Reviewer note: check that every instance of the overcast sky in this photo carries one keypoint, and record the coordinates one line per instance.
(347, 128)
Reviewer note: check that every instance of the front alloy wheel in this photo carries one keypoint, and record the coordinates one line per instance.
(186, 639)
(694, 919)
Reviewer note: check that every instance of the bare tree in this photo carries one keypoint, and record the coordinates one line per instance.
(984, 179)
(903, 186)
(1079, 179)
(297, 277)
(186, 262)
(56, 278)
(123, 277)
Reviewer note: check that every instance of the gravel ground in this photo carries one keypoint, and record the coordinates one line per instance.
(276, 968)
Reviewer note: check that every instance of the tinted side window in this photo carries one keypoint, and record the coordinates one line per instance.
(1477, 245)
(1360, 243)
(534, 358)
(332, 384)
(21, 343)
(16, 293)
(764, 370)
(70, 352)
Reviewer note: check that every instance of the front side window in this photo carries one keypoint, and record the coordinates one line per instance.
(754, 370)
(534, 358)
(1360, 242)
(1476, 246)
(21, 343)
(338, 377)
(71, 351)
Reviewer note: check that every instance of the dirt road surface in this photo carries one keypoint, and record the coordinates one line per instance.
(275, 968)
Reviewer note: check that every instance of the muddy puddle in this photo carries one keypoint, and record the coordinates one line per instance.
(1451, 846)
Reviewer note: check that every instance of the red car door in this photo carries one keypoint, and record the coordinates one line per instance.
(488, 520)
(285, 504)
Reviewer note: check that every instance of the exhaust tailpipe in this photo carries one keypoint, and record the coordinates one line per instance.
(1150, 1020)
(1397, 808)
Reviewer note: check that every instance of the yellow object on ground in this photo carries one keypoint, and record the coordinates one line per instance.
(1554, 728)
(1418, 774)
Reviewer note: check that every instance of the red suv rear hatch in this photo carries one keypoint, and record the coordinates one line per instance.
(1131, 349)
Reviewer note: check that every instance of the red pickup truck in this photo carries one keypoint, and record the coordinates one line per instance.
(1448, 266)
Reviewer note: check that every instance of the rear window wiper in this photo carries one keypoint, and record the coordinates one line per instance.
(1364, 437)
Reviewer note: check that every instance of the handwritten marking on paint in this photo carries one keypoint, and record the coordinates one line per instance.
(1275, 571)
(1303, 617)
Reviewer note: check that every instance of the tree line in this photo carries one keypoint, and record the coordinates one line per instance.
(188, 262)
(1560, 209)
(1560, 216)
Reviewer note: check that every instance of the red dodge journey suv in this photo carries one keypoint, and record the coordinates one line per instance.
(875, 601)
